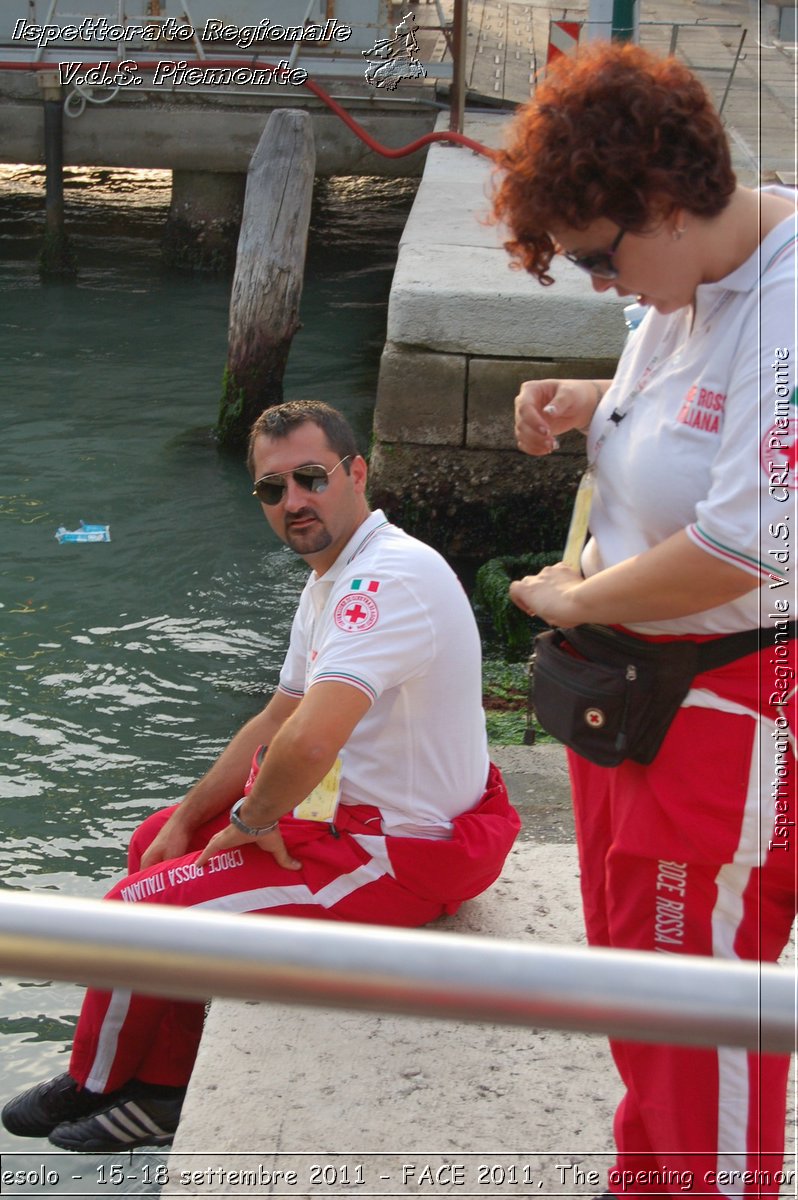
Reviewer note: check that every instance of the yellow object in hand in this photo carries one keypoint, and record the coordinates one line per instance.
(580, 520)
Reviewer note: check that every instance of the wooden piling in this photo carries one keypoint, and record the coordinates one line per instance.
(267, 285)
(57, 259)
(204, 221)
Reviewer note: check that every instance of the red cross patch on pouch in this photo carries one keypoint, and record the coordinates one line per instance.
(356, 613)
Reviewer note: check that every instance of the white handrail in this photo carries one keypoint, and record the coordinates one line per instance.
(190, 953)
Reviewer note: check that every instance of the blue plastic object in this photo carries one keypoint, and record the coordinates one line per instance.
(86, 533)
(633, 314)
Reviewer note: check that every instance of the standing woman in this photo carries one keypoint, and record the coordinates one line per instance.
(621, 165)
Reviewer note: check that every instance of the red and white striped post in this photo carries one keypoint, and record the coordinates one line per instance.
(563, 40)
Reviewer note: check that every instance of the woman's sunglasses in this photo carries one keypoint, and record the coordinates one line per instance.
(598, 263)
(313, 478)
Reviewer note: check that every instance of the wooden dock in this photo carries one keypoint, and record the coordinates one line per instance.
(501, 56)
(501, 60)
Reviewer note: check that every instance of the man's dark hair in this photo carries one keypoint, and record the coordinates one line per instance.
(279, 420)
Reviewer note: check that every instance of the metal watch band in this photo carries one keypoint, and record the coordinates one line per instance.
(242, 827)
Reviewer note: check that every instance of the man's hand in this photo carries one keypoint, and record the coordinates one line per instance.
(223, 784)
(172, 842)
(230, 837)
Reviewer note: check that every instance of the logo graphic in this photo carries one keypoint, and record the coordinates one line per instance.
(779, 457)
(703, 409)
(594, 717)
(356, 613)
(392, 59)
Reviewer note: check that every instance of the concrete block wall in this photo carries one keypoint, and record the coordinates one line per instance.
(460, 399)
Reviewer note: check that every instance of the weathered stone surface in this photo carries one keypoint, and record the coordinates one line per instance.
(493, 384)
(421, 397)
(409, 1089)
(475, 504)
(457, 184)
(468, 300)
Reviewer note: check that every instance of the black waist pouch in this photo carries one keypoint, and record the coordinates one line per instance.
(611, 696)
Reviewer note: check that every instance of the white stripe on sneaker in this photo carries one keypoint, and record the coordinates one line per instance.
(131, 1109)
(127, 1122)
(120, 1135)
(121, 1118)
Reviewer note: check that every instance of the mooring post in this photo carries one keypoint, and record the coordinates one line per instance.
(267, 285)
(57, 260)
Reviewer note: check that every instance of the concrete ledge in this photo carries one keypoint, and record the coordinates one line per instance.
(277, 1081)
(217, 132)
(454, 290)
(474, 303)
(279, 1088)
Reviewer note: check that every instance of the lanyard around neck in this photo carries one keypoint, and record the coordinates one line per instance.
(583, 501)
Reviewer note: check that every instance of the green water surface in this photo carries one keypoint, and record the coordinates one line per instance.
(125, 667)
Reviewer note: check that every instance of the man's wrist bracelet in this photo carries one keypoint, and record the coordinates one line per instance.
(249, 830)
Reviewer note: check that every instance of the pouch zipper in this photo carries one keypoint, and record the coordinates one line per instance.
(631, 676)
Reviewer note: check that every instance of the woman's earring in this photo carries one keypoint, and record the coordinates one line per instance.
(678, 233)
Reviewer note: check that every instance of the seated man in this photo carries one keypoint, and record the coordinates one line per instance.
(379, 700)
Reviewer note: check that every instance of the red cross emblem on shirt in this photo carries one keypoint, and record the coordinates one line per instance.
(355, 613)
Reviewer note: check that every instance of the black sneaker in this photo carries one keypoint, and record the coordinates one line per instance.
(140, 1115)
(36, 1113)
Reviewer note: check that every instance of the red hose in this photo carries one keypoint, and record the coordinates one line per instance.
(459, 139)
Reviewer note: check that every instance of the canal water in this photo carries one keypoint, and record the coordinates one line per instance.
(125, 667)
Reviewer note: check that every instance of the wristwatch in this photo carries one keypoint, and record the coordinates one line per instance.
(249, 830)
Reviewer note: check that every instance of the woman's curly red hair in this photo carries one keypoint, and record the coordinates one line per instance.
(615, 132)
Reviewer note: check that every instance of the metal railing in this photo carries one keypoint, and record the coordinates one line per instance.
(643, 28)
(696, 26)
(188, 953)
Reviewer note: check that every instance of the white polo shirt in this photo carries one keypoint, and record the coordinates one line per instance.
(391, 618)
(707, 437)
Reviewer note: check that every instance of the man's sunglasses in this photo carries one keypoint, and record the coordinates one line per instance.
(599, 262)
(313, 478)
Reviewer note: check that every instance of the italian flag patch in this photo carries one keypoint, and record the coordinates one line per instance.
(365, 585)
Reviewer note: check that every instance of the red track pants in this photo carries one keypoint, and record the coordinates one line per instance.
(352, 874)
(696, 854)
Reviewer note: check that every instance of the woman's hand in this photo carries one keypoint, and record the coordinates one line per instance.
(231, 837)
(673, 579)
(549, 595)
(545, 408)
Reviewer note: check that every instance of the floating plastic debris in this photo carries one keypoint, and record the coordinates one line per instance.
(86, 533)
